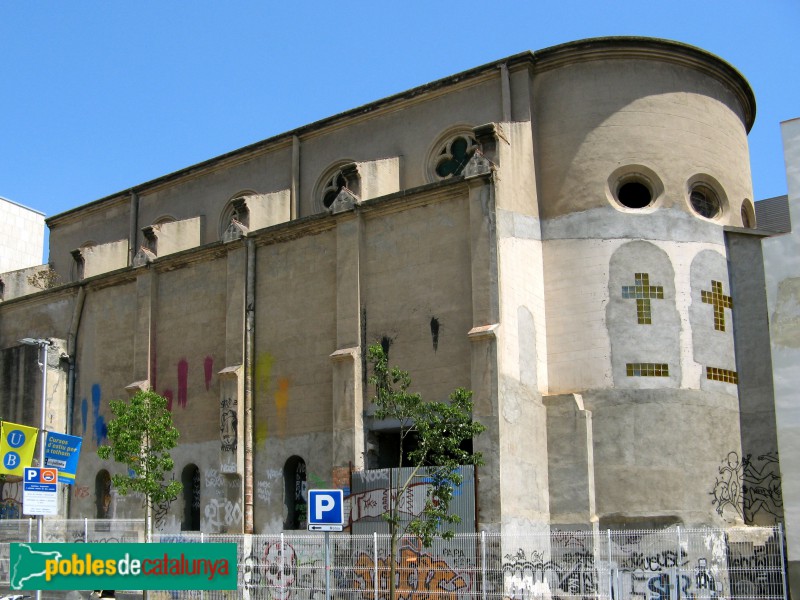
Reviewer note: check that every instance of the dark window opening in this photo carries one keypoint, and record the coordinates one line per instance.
(102, 493)
(190, 478)
(335, 186)
(294, 477)
(634, 194)
(386, 445)
(455, 156)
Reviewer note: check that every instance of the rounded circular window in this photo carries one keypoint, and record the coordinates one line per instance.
(634, 187)
(634, 194)
(705, 201)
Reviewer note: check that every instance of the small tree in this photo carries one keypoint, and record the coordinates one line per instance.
(142, 435)
(439, 430)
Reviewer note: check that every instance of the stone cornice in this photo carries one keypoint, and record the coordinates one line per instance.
(642, 48)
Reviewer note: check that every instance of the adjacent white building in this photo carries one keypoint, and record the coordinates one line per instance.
(782, 268)
(21, 236)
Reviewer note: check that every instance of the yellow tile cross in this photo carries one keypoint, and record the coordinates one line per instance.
(719, 301)
(643, 292)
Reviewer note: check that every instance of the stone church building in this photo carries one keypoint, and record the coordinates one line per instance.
(570, 233)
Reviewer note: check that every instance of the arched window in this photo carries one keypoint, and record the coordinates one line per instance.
(294, 477)
(748, 214)
(102, 493)
(451, 153)
(190, 478)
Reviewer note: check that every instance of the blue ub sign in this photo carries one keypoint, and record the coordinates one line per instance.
(325, 510)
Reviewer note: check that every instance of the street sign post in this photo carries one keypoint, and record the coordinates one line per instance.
(326, 513)
(40, 491)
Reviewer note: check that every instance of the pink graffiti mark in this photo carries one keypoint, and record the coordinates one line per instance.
(183, 379)
(208, 368)
(169, 396)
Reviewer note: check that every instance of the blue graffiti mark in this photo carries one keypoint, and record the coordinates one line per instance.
(84, 414)
(100, 427)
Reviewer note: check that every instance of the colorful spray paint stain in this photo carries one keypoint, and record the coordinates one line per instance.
(84, 414)
(263, 374)
(169, 396)
(100, 427)
(281, 402)
(208, 370)
(183, 382)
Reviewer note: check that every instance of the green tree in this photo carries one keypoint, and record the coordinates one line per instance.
(141, 436)
(438, 431)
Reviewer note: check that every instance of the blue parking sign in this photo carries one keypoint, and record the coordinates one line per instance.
(325, 510)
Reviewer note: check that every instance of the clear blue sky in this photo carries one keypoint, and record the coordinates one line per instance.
(96, 97)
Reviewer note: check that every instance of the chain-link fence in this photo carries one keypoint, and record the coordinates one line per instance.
(673, 564)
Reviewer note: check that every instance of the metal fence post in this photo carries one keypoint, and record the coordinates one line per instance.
(783, 561)
(280, 566)
(678, 564)
(375, 562)
(483, 565)
(86, 530)
(30, 529)
(610, 570)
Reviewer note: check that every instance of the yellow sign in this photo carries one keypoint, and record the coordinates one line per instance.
(17, 445)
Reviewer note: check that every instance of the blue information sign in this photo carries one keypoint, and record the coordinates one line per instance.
(325, 510)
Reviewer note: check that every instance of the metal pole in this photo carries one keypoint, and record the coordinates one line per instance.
(375, 562)
(43, 344)
(327, 565)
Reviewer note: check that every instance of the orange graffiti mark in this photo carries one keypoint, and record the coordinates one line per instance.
(281, 402)
(420, 577)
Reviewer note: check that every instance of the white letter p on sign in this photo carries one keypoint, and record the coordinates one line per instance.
(323, 504)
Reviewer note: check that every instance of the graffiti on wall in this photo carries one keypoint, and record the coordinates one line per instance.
(229, 424)
(221, 513)
(100, 426)
(749, 488)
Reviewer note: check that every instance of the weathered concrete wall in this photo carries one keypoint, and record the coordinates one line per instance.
(782, 268)
(763, 500)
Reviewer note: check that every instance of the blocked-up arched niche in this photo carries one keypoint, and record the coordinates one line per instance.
(294, 477)
(190, 478)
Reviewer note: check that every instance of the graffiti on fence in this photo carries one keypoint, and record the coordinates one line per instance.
(419, 575)
(530, 574)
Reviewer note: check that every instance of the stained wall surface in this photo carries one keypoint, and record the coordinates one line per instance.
(478, 229)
